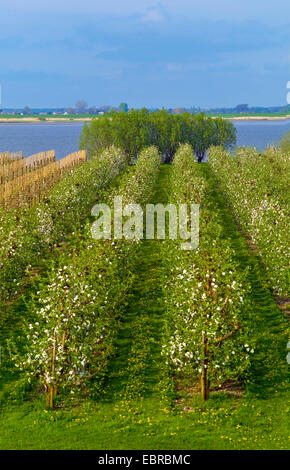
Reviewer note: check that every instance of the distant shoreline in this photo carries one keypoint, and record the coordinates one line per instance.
(57, 120)
(258, 118)
(41, 121)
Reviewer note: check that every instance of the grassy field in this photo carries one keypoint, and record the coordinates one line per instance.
(131, 412)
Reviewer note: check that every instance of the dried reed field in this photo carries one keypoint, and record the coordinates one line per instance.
(14, 165)
(9, 157)
(26, 180)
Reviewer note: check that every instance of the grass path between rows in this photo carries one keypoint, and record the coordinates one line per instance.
(130, 414)
(135, 369)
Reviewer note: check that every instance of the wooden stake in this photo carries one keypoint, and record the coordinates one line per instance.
(204, 381)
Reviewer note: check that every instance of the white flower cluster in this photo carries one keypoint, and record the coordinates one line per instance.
(77, 313)
(257, 187)
(206, 294)
(26, 233)
(144, 176)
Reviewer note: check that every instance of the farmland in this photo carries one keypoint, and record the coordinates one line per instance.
(136, 343)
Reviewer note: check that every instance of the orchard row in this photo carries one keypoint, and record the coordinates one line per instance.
(257, 189)
(208, 313)
(77, 312)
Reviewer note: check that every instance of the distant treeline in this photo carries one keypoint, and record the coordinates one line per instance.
(83, 109)
(246, 109)
(135, 130)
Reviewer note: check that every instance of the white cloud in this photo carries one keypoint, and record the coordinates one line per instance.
(154, 15)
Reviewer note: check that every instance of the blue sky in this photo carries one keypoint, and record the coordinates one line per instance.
(169, 53)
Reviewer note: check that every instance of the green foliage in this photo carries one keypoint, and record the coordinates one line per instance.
(76, 312)
(257, 188)
(26, 234)
(229, 419)
(135, 130)
(285, 143)
(207, 295)
(71, 337)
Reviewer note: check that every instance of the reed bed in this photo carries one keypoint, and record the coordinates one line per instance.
(29, 179)
(16, 155)
(5, 158)
(15, 166)
(8, 157)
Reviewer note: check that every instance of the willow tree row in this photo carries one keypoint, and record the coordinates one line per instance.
(138, 129)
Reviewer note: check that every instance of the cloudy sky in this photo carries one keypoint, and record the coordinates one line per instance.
(168, 53)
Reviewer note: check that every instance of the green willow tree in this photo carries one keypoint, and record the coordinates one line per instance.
(137, 129)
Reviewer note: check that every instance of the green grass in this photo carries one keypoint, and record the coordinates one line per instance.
(225, 423)
(131, 413)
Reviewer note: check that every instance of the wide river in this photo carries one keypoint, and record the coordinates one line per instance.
(64, 137)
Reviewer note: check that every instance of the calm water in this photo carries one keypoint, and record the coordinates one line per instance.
(64, 137)
(34, 138)
(260, 133)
